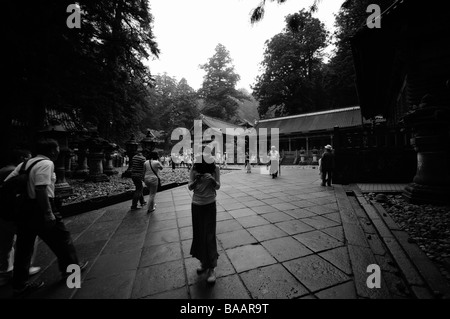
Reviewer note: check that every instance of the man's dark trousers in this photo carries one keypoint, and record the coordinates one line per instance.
(57, 238)
(326, 177)
(138, 195)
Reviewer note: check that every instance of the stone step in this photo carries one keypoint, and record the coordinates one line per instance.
(425, 280)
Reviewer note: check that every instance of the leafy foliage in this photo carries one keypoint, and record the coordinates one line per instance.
(248, 109)
(258, 13)
(218, 89)
(291, 80)
(174, 104)
(96, 69)
(340, 74)
(290, 84)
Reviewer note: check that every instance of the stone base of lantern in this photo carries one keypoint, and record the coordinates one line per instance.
(110, 172)
(63, 190)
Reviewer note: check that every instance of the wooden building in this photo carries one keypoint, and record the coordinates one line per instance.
(403, 74)
(307, 134)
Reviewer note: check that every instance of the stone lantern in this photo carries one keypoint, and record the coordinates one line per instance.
(315, 153)
(402, 72)
(302, 155)
(131, 148)
(57, 132)
(431, 140)
(69, 167)
(96, 147)
(82, 169)
(148, 142)
(109, 150)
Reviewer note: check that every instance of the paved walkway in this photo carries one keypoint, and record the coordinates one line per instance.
(278, 238)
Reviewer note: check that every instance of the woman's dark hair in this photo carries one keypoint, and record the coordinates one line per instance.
(153, 156)
(203, 166)
(46, 146)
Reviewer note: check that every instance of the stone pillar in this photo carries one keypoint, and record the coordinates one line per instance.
(62, 187)
(68, 163)
(109, 167)
(431, 140)
(315, 152)
(56, 131)
(428, 97)
(82, 168)
(96, 167)
(96, 155)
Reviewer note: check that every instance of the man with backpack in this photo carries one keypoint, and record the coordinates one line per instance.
(40, 218)
(8, 227)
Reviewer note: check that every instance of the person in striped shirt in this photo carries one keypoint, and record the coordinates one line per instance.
(137, 175)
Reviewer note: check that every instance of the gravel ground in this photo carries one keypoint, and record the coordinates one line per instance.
(427, 225)
(116, 184)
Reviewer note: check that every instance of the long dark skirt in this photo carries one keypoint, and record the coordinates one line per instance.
(204, 245)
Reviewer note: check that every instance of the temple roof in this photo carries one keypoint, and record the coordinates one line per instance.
(217, 125)
(317, 121)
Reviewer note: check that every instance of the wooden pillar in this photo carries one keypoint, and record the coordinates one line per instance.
(307, 145)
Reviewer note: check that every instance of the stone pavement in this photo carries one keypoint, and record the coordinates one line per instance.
(278, 238)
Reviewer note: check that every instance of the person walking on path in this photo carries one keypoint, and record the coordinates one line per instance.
(137, 176)
(40, 217)
(8, 228)
(204, 180)
(151, 179)
(224, 160)
(327, 166)
(274, 158)
(247, 163)
(173, 161)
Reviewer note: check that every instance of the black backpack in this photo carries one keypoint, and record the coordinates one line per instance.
(13, 192)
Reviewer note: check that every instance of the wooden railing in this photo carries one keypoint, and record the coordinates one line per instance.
(373, 156)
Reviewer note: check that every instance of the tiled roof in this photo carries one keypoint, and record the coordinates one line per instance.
(309, 122)
(69, 122)
(218, 125)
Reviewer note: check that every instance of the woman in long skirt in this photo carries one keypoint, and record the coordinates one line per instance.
(204, 181)
(274, 157)
(247, 163)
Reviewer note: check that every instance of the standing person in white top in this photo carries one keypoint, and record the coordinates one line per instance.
(151, 168)
(8, 227)
(204, 180)
(218, 158)
(42, 219)
(274, 157)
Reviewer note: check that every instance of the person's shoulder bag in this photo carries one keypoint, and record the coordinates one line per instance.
(159, 179)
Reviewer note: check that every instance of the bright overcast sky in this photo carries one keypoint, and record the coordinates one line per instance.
(187, 31)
